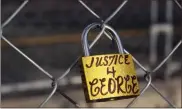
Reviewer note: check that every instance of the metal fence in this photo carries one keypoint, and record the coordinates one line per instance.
(103, 23)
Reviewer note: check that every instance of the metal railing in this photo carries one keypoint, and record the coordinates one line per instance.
(55, 81)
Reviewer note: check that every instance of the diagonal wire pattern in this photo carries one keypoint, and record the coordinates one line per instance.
(115, 12)
(15, 13)
(97, 37)
(23, 54)
(180, 6)
(55, 81)
(90, 10)
(28, 58)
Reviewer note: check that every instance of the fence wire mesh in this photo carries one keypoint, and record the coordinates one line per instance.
(103, 23)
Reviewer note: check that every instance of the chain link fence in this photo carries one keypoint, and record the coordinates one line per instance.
(103, 23)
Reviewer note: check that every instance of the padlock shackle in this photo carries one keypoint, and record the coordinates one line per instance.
(84, 38)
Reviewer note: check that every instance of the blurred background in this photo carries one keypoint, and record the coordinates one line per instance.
(49, 32)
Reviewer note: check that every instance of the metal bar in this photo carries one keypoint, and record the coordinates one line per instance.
(153, 47)
(154, 11)
(169, 11)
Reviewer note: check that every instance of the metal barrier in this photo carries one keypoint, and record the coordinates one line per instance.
(55, 81)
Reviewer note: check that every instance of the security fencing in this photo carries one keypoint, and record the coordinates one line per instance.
(102, 26)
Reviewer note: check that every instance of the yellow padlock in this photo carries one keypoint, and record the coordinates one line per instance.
(108, 77)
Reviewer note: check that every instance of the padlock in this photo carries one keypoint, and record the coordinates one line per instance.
(109, 76)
